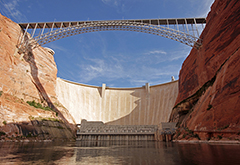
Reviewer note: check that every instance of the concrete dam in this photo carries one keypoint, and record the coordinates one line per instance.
(147, 105)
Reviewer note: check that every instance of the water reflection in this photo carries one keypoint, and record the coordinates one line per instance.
(116, 152)
(39, 153)
(125, 152)
(209, 154)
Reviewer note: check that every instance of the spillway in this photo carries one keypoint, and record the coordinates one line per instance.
(147, 105)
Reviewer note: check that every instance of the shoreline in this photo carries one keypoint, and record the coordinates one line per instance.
(29, 140)
(173, 141)
(208, 141)
(26, 141)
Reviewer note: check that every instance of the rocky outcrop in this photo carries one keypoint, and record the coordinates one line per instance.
(21, 121)
(44, 129)
(26, 78)
(209, 83)
(13, 109)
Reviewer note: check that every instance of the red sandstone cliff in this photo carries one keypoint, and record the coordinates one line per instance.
(18, 76)
(31, 78)
(209, 83)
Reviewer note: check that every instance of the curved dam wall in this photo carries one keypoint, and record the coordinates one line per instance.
(147, 105)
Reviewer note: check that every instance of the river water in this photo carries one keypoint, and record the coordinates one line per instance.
(115, 152)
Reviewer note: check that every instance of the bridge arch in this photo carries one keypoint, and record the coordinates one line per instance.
(59, 30)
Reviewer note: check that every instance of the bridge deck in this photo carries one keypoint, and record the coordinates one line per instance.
(170, 21)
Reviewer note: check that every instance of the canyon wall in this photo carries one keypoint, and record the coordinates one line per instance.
(27, 77)
(123, 106)
(209, 83)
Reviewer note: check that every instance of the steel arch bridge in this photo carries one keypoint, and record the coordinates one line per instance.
(183, 30)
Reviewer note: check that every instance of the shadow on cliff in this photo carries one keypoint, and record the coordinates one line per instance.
(30, 59)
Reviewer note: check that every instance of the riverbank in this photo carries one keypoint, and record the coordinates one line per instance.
(26, 141)
(208, 141)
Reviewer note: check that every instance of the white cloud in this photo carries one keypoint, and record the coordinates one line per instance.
(153, 75)
(138, 82)
(204, 7)
(135, 74)
(111, 2)
(154, 66)
(183, 52)
(121, 6)
(160, 56)
(100, 68)
(156, 52)
(10, 8)
(57, 47)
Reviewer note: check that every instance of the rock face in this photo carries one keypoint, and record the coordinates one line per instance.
(37, 130)
(209, 81)
(20, 77)
(32, 77)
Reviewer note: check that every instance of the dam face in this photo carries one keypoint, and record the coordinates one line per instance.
(118, 106)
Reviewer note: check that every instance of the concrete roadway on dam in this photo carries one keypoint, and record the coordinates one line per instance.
(147, 105)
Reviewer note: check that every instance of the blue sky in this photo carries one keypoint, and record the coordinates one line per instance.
(119, 59)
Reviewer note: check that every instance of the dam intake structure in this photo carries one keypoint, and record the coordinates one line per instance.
(97, 131)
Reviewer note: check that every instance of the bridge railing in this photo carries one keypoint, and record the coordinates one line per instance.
(192, 26)
(184, 30)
